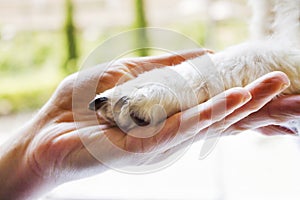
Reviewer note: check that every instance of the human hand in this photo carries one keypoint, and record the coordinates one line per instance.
(49, 149)
(263, 113)
(279, 117)
(56, 146)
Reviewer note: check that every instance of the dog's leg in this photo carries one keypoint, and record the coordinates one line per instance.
(157, 94)
(277, 19)
(262, 18)
(287, 22)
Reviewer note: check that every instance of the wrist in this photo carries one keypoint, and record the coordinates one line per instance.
(18, 177)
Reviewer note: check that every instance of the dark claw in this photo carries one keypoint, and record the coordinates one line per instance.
(139, 121)
(120, 103)
(97, 103)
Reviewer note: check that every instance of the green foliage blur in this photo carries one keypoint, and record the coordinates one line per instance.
(33, 62)
(70, 64)
(140, 23)
(29, 72)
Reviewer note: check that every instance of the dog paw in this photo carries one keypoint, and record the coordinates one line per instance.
(150, 98)
(129, 107)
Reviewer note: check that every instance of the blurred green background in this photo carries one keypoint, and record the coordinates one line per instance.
(42, 41)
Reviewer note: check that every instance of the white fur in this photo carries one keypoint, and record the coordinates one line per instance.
(154, 95)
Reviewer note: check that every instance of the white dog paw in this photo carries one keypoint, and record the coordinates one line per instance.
(137, 106)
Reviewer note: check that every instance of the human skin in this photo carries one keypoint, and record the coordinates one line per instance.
(49, 149)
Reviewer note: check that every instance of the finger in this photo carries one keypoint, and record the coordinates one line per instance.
(179, 57)
(126, 69)
(278, 111)
(186, 124)
(262, 90)
(180, 126)
(167, 59)
(273, 130)
(137, 66)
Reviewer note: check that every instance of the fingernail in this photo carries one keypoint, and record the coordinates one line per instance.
(285, 85)
(247, 97)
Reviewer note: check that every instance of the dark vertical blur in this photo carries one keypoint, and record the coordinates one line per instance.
(70, 64)
(141, 22)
